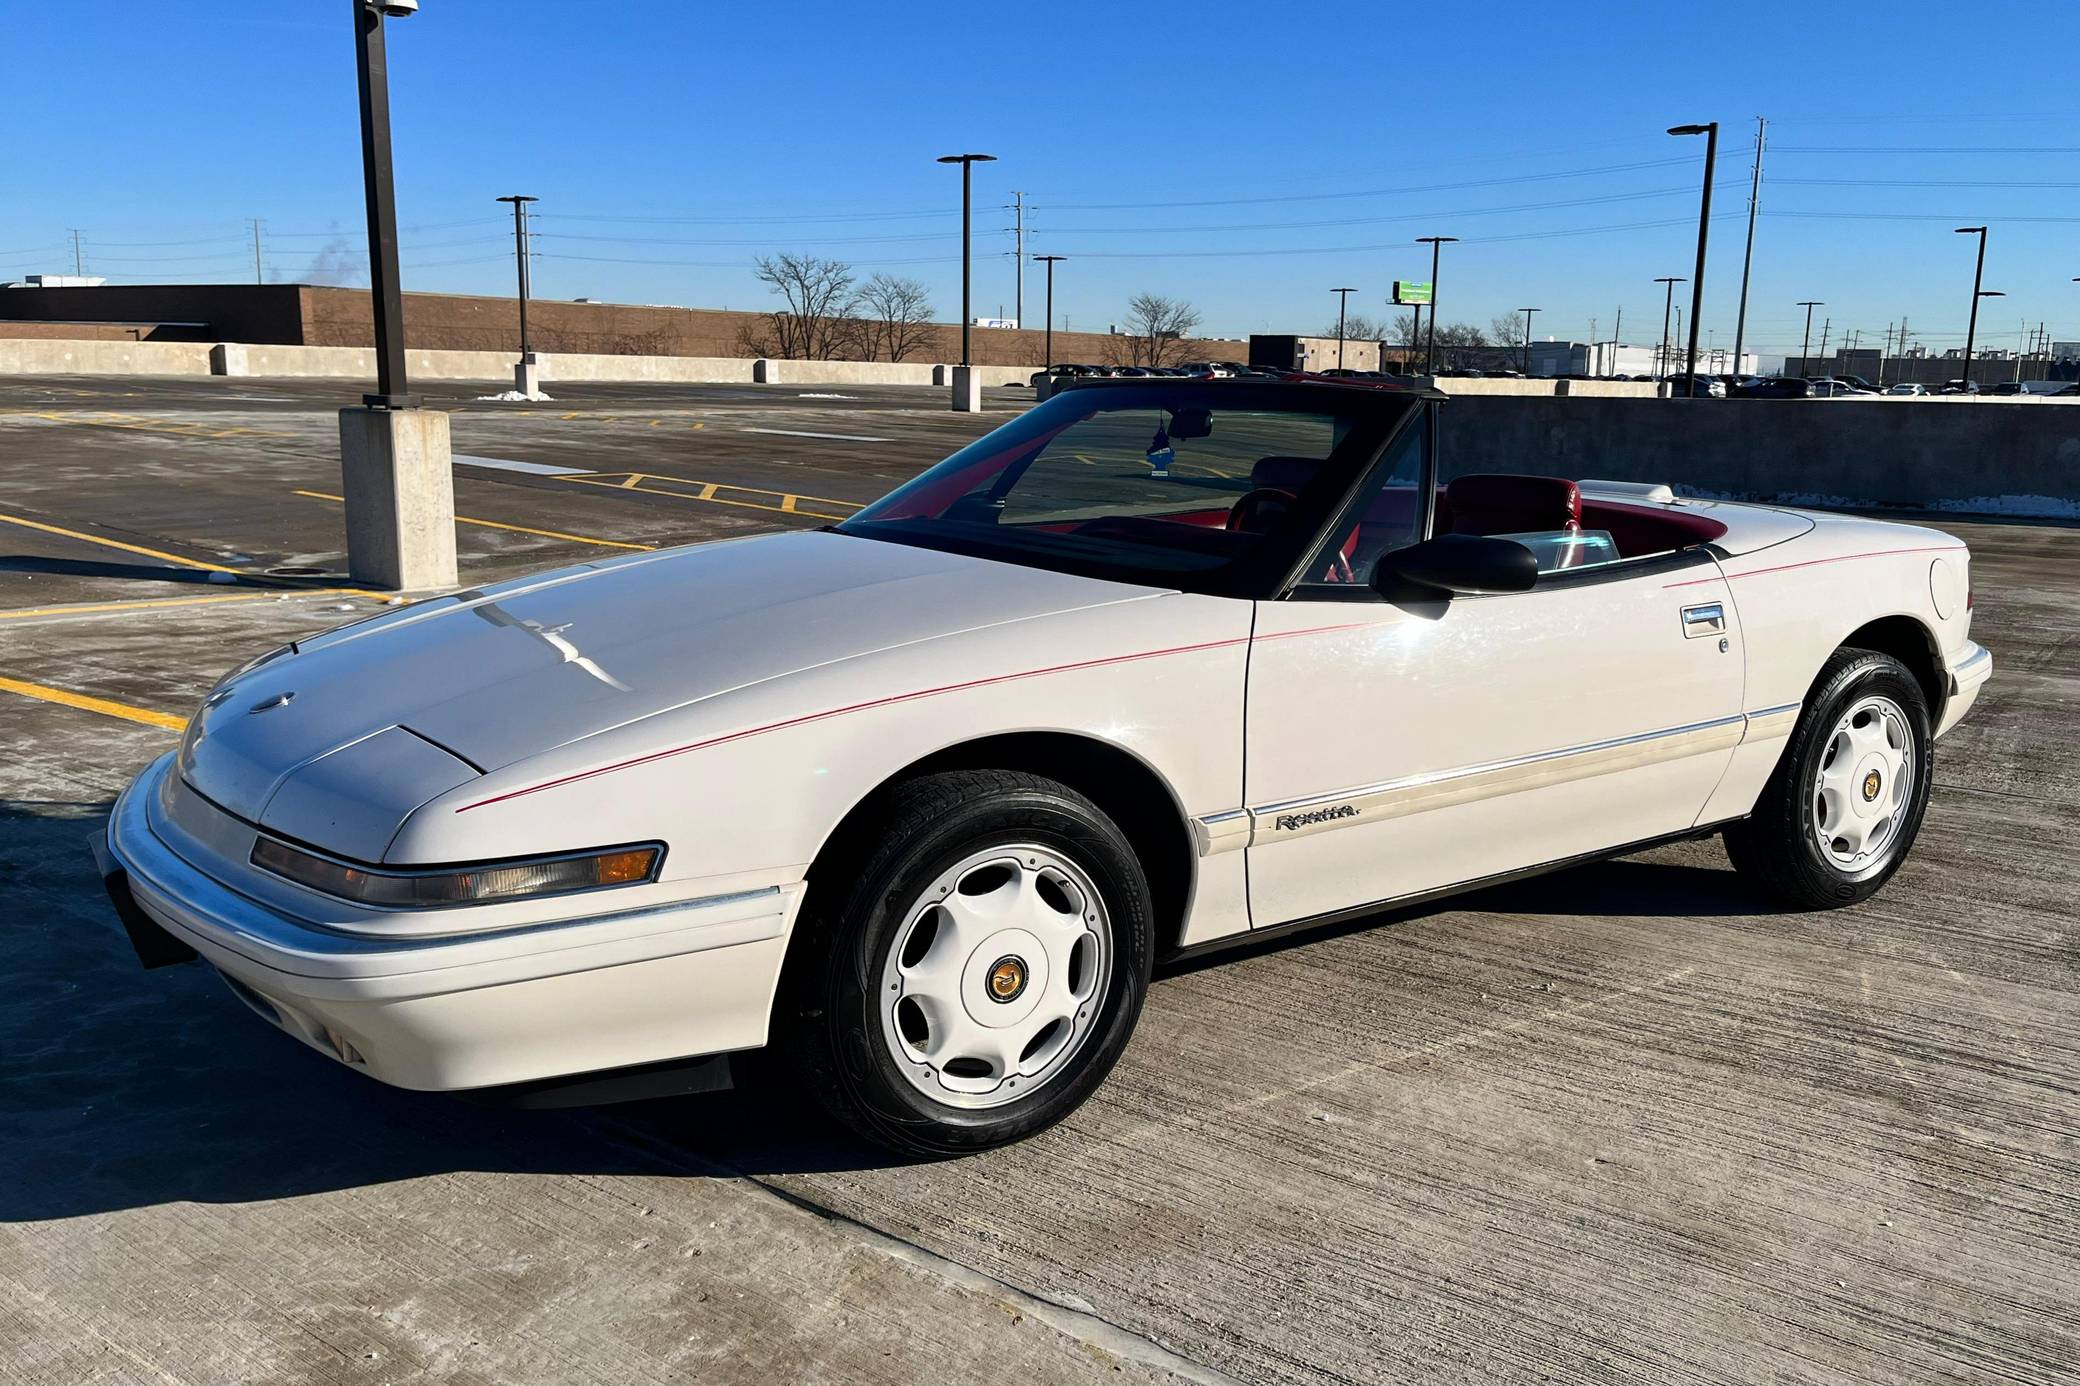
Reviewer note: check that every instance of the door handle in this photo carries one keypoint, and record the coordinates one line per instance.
(1707, 619)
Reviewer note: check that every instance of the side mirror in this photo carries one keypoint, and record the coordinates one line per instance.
(1193, 422)
(1455, 564)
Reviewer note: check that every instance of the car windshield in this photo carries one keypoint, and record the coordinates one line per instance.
(1206, 486)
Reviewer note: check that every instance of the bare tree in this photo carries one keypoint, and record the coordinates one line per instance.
(1156, 328)
(820, 320)
(1507, 330)
(898, 316)
(1359, 328)
(1460, 343)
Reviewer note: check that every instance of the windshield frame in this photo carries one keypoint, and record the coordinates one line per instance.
(1376, 416)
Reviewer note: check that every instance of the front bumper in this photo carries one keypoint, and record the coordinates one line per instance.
(574, 995)
(1967, 669)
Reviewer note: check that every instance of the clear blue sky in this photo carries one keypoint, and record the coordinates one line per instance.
(1320, 139)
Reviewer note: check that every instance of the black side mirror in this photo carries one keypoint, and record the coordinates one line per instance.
(1455, 564)
(1192, 422)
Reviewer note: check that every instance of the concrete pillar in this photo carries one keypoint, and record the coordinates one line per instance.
(967, 390)
(227, 358)
(527, 377)
(940, 376)
(399, 487)
(764, 372)
(1044, 390)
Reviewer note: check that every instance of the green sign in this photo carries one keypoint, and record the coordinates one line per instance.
(1408, 292)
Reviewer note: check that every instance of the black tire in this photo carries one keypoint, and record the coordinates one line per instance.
(829, 1028)
(1777, 846)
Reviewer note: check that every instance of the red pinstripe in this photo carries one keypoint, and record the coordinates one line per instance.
(1816, 562)
(887, 701)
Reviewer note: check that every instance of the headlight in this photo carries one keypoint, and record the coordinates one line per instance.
(498, 880)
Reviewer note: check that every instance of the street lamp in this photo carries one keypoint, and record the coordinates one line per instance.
(1050, 261)
(523, 374)
(1430, 347)
(1971, 332)
(967, 396)
(397, 484)
(1343, 298)
(1667, 307)
(1710, 131)
(1805, 363)
(1527, 312)
(373, 69)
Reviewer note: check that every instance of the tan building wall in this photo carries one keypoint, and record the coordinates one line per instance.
(455, 322)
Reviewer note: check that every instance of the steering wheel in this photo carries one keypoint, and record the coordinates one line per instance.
(1266, 503)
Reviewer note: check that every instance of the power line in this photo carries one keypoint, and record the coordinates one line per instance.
(1365, 192)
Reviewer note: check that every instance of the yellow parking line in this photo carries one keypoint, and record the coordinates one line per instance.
(633, 482)
(92, 608)
(84, 703)
(518, 529)
(117, 544)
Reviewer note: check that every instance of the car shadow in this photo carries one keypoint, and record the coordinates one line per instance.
(122, 1088)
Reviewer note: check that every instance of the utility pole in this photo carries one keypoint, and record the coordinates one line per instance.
(1018, 232)
(1527, 312)
(1883, 352)
(1617, 338)
(1825, 325)
(1740, 324)
(258, 278)
(79, 262)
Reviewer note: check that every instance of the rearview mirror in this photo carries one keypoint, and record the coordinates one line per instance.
(1191, 423)
(1457, 564)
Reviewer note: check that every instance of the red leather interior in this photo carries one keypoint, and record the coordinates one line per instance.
(1502, 503)
(1639, 530)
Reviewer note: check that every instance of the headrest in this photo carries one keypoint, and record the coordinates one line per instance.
(1288, 474)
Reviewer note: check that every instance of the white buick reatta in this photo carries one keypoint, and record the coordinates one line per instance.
(918, 800)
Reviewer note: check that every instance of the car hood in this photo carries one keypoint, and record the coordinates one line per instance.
(378, 717)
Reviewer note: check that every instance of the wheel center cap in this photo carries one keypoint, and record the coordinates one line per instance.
(1871, 784)
(1007, 979)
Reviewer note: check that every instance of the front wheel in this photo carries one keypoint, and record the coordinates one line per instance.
(969, 977)
(1846, 801)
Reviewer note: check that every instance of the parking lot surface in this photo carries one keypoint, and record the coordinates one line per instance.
(1626, 1123)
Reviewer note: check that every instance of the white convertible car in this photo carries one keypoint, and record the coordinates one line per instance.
(917, 800)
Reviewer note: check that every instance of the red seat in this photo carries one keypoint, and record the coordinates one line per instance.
(1505, 503)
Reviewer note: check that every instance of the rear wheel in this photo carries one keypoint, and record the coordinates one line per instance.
(968, 977)
(1846, 802)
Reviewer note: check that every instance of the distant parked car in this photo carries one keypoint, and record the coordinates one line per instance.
(1790, 387)
(1856, 384)
(1708, 386)
(1060, 372)
(1906, 387)
(1959, 387)
(2029, 387)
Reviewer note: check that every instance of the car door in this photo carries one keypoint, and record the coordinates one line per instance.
(1396, 748)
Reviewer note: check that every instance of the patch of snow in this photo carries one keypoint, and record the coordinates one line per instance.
(516, 397)
(818, 396)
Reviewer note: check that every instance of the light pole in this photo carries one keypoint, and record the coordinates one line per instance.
(967, 391)
(1805, 343)
(396, 481)
(1710, 131)
(524, 379)
(1527, 312)
(1971, 332)
(1430, 347)
(1977, 294)
(1343, 298)
(1667, 306)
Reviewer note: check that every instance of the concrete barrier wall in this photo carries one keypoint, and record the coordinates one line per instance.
(103, 358)
(2018, 457)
